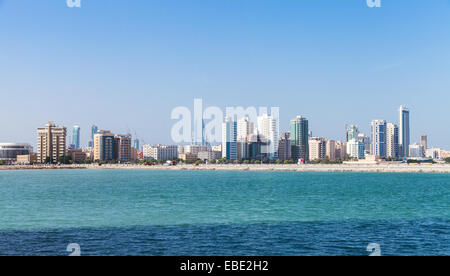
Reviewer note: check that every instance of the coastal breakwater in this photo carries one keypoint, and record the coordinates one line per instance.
(381, 168)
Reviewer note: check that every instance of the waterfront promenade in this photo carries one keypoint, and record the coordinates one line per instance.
(387, 167)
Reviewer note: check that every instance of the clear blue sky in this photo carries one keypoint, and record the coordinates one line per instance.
(124, 65)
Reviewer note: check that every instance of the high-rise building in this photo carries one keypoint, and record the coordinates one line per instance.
(317, 148)
(245, 127)
(340, 150)
(268, 127)
(122, 148)
(300, 139)
(392, 141)
(76, 137)
(51, 144)
(355, 149)
(424, 141)
(229, 139)
(284, 147)
(379, 138)
(136, 144)
(331, 149)
(257, 145)
(94, 130)
(366, 141)
(404, 131)
(352, 133)
(103, 146)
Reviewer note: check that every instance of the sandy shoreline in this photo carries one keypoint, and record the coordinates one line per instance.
(393, 168)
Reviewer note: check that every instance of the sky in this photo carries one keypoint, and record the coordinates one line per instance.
(125, 65)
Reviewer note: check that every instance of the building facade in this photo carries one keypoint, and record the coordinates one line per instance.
(355, 149)
(392, 141)
(404, 131)
(122, 148)
(300, 139)
(268, 127)
(379, 138)
(317, 148)
(284, 147)
(103, 146)
(416, 151)
(10, 151)
(76, 137)
(229, 139)
(161, 152)
(51, 144)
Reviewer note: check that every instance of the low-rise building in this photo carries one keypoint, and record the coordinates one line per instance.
(209, 155)
(27, 159)
(160, 152)
(190, 157)
(77, 155)
(10, 151)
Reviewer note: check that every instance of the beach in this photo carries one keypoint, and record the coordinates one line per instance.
(383, 168)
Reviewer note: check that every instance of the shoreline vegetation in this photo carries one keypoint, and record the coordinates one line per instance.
(382, 168)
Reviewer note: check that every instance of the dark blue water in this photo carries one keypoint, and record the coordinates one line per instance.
(223, 213)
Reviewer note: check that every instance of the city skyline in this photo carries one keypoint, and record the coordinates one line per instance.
(250, 53)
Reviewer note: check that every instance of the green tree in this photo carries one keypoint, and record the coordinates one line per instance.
(65, 159)
(447, 160)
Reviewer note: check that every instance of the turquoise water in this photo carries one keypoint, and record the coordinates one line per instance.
(114, 212)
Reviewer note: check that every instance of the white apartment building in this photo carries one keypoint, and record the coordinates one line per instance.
(269, 127)
(317, 148)
(355, 149)
(160, 152)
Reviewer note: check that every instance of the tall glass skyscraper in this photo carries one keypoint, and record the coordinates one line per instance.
(300, 139)
(136, 144)
(76, 137)
(94, 130)
(229, 139)
(404, 133)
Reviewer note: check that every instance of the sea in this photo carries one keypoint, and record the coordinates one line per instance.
(223, 213)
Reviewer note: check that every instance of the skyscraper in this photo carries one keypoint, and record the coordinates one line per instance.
(245, 127)
(366, 141)
(268, 128)
(103, 146)
(404, 131)
(352, 133)
(424, 141)
(122, 148)
(300, 139)
(379, 138)
(317, 148)
(94, 130)
(136, 144)
(355, 149)
(76, 137)
(229, 139)
(392, 141)
(51, 143)
(284, 147)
